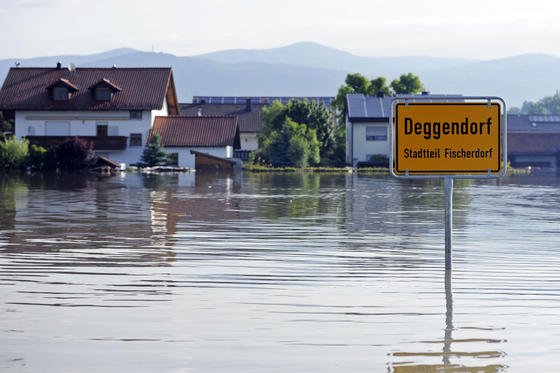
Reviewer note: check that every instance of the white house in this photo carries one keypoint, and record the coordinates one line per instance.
(214, 136)
(367, 127)
(115, 108)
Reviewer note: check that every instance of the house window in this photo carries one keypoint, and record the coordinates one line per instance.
(135, 114)
(60, 94)
(102, 94)
(135, 139)
(376, 133)
(102, 130)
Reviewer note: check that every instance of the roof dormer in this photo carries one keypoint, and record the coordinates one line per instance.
(62, 89)
(104, 90)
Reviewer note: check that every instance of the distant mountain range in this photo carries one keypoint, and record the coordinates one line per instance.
(311, 69)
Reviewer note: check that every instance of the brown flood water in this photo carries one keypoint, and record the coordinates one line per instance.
(277, 273)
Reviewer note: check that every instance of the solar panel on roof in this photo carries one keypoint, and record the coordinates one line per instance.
(360, 106)
(260, 99)
(356, 106)
(544, 118)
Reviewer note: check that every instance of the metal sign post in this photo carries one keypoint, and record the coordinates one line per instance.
(448, 186)
(448, 137)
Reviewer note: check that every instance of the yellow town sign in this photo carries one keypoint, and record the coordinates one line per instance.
(448, 138)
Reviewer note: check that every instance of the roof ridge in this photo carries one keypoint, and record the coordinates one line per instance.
(91, 68)
(196, 116)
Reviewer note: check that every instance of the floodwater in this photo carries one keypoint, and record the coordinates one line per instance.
(277, 273)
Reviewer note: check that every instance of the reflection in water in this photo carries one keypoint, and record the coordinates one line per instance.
(448, 317)
(276, 272)
(452, 359)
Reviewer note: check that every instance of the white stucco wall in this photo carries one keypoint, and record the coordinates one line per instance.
(84, 123)
(349, 150)
(186, 159)
(162, 112)
(363, 149)
(249, 141)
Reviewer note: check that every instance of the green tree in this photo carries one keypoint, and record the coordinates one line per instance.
(357, 83)
(318, 118)
(298, 148)
(339, 102)
(514, 110)
(379, 85)
(153, 154)
(13, 153)
(549, 105)
(407, 84)
(291, 144)
(314, 154)
(534, 108)
(354, 83)
(286, 127)
(339, 152)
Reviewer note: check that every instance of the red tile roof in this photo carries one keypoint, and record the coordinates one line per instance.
(140, 89)
(180, 131)
(66, 83)
(107, 83)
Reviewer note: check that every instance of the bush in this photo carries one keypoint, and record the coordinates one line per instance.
(376, 160)
(13, 153)
(379, 158)
(74, 153)
(37, 157)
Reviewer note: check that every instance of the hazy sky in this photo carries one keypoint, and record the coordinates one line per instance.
(482, 29)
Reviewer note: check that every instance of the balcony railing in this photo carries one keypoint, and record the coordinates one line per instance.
(99, 142)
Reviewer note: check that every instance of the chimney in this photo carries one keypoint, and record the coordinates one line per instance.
(199, 113)
(59, 65)
(248, 105)
(425, 93)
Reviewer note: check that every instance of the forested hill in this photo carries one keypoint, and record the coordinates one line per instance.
(310, 69)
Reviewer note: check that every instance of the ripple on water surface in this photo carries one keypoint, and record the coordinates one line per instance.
(278, 273)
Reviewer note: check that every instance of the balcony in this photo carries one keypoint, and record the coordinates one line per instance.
(99, 142)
